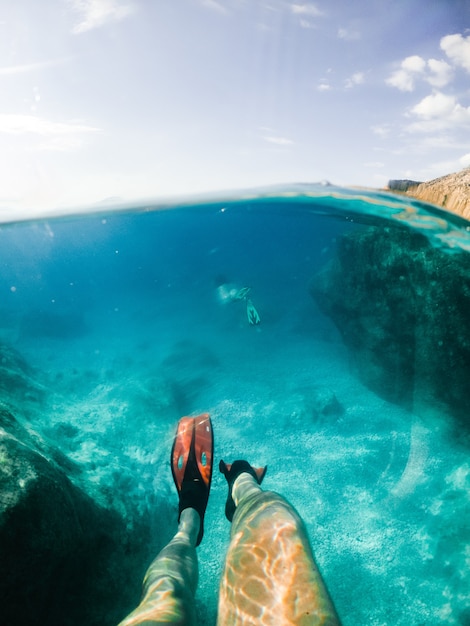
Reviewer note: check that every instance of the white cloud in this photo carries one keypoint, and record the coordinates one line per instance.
(414, 64)
(280, 141)
(324, 87)
(439, 112)
(348, 34)
(401, 80)
(381, 130)
(96, 13)
(405, 77)
(214, 6)
(44, 134)
(60, 143)
(457, 49)
(435, 105)
(437, 168)
(12, 70)
(465, 160)
(440, 73)
(306, 9)
(436, 73)
(357, 78)
(435, 142)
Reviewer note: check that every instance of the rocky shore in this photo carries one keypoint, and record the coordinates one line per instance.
(452, 192)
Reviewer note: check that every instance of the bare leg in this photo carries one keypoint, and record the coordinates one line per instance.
(270, 573)
(171, 580)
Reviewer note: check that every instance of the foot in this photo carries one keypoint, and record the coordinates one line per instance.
(191, 464)
(231, 473)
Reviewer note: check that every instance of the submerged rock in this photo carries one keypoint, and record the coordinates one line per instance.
(18, 381)
(73, 549)
(312, 405)
(324, 404)
(63, 558)
(402, 309)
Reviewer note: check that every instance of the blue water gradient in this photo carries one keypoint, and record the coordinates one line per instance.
(118, 314)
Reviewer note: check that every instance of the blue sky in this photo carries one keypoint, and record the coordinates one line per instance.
(132, 99)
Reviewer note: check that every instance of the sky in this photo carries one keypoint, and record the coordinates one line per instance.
(123, 100)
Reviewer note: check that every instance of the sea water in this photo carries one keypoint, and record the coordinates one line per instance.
(119, 314)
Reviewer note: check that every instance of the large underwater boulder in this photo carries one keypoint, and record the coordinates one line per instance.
(63, 559)
(402, 308)
(18, 380)
(73, 550)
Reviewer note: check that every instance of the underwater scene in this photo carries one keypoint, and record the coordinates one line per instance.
(326, 332)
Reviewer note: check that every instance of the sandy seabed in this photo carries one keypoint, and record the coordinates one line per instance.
(385, 494)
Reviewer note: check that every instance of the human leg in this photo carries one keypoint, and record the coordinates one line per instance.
(270, 574)
(171, 580)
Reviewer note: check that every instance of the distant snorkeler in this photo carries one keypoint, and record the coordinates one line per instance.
(228, 292)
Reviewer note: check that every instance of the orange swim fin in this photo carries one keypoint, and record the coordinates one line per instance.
(191, 464)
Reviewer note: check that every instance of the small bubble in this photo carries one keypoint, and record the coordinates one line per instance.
(13, 288)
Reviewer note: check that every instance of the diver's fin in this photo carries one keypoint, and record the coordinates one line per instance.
(242, 293)
(252, 313)
(191, 464)
(231, 472)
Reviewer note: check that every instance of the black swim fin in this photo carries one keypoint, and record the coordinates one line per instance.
(231, 473)
(252, 313)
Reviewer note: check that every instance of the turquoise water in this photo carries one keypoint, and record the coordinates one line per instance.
(120, 321)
